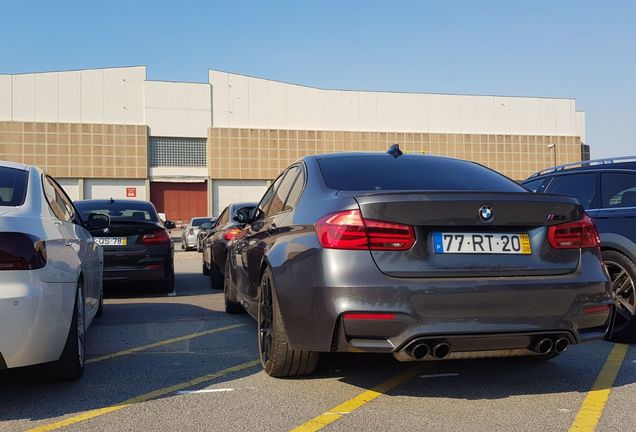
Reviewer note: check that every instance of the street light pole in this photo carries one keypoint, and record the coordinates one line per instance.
(553, 147)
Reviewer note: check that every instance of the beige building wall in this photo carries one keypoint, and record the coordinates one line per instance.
(78, 150)
(235, 153)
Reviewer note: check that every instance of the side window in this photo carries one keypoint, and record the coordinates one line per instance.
(57, 200)
(265, 202)
(223, 218)
(579, 186)
(618, 190)
(295, 192)
(282, 192)
(535, 185)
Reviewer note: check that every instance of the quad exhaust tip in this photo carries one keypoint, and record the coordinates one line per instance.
(543, 346)
(441, 350)
(419, 350)
(561, 344)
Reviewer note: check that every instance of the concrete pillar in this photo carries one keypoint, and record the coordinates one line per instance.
(210, 197)
(147, 185)
(80, 188)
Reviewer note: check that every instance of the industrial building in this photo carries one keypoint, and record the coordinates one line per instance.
(192, 148)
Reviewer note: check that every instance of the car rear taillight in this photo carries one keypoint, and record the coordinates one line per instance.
(155, 237)
(574, 235)
(20, 251)
(231, 233)
(349, 230)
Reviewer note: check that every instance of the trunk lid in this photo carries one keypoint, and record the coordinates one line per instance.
(134, 249)
(436, 216)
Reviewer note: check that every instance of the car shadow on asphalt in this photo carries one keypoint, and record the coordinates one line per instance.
(187, 284)
(26, 395)
(481, 379)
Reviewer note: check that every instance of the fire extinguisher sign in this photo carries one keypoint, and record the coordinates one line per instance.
(131, 192)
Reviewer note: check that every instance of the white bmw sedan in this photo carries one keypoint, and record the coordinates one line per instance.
(50, 274)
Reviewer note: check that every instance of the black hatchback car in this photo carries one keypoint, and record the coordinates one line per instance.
(229, 223)
(607, 190)
(137, 246)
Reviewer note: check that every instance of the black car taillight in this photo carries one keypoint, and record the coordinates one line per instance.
(574, 235)
(349, 230)
(231, 233)
(155, 237)
(20, 251)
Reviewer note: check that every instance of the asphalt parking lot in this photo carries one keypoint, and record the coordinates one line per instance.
(163, 363)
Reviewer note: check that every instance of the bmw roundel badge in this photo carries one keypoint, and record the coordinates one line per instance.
(485, 213)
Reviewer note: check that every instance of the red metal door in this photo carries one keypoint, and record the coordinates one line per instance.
(180, 201)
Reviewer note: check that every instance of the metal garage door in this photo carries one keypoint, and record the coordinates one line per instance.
(180, 201)
(225, 192)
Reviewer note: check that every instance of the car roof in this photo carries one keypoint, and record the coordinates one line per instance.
(243, 204)
(14, 165)
(621, 163)
(113, 201)
(370, 154)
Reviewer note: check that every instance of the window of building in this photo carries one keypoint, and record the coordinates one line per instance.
(177, 152)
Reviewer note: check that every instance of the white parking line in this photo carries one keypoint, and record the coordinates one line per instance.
(439, 375)
(187, 392)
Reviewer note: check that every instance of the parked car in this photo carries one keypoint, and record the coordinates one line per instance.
(607, 190)
(137, 246)
(424, 257)
(230, 222)
(190, 231)
(50, 274)
(204, 229)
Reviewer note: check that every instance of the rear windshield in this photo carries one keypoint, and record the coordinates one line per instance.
(383, 172)
(13, 186)
(201, 221)
(118, 211)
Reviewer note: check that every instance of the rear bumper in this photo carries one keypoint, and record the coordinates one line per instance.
(191, 240)
(131, 274)
(316, 290)
(35, 317)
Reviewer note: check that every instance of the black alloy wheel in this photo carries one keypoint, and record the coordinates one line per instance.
(622, 273)
(277, 357)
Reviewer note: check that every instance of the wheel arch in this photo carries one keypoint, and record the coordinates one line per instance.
(620, 244)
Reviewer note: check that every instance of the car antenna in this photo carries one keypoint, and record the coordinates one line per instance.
(395, 151)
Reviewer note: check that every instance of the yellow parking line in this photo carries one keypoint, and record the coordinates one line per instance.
(143, 398)
(363, 398)
(593, 405)
(162, 343)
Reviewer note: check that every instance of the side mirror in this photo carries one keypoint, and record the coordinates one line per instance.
(169, 225)
(97, 221)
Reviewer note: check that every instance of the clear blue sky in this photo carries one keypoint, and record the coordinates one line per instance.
(576, 49)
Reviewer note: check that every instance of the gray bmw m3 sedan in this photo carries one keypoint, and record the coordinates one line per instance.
(424, 257)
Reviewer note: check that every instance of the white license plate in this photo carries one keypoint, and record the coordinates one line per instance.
(481, 243)
(111, 241)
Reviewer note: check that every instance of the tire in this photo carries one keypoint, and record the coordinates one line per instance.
(232, 306)
(70, 366)
(205, 269)
(216, 277)
(277, 358)
(622, 273)
(100, 308)
(167, 285)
